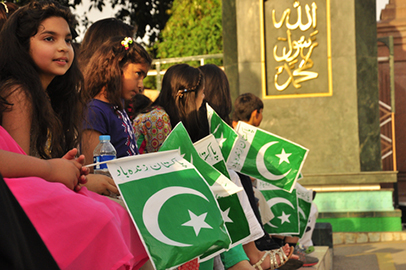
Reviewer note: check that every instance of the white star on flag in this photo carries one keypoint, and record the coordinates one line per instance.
(221, 140)
(284, 218)
(226, 218)
(197, 222)
(283, 156)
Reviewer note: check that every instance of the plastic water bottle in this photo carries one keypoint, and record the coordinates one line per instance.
(104, 151)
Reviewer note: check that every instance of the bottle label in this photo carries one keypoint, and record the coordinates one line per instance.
(101, 159)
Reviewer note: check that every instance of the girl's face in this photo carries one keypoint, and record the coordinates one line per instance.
(51, 49)
(199, 98)
(132, 77)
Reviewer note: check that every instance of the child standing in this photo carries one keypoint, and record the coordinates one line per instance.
(114, 74)
(40, 109)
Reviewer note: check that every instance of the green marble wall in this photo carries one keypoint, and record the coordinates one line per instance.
(342, 130)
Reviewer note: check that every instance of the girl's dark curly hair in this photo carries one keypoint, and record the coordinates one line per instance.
(56, 116)
(181, 106)
(105, 69)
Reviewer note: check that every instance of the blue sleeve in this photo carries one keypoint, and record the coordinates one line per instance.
(96, 119)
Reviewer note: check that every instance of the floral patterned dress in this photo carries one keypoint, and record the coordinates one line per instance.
(151, 129)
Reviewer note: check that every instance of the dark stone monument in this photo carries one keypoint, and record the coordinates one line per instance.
(317, 76)
(314, 64)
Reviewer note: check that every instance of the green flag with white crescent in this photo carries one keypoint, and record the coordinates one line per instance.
(305, 198)
(179, 139)
(172, 206)
(224, 134)
(284, 207)
(233, 213)
(266, 156)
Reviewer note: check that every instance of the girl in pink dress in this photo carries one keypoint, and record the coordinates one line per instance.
(40, 115)
(82, 230)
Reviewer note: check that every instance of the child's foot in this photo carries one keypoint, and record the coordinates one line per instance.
(277, 258)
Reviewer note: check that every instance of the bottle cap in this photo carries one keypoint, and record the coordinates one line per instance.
(104, 138)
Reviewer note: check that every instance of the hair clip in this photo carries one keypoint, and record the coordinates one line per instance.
(126, 42)
(5, 7)
(181, 92)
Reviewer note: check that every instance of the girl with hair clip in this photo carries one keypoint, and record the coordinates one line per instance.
(114, 74)
(40, 115)
(98, 33)
(217, 95)
(181, 96)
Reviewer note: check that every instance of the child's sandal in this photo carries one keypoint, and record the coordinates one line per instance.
(273, 260)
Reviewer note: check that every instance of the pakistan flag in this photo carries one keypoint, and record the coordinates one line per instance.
(233, 213)
(179, 139)
(206, 157)
(172, 207)
(266, 156)
(284, 207)
(210, 151)
(224, 134)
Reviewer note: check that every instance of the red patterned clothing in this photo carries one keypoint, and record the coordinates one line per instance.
(151, 129)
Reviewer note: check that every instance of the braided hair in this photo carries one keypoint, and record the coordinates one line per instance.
(180, 88)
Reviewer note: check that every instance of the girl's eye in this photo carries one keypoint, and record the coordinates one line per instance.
(49, 39)
(69, 40)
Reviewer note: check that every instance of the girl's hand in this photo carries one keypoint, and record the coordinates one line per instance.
(64, 171)
(101, 184)
(83, 170)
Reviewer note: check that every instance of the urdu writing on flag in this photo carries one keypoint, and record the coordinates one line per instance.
(266, 156)
(224, 134)
(179, 139)
(172, 206)
(210, 152)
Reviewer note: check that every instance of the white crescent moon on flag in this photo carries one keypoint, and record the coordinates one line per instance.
(153, 206)
(262, 169)
(277, 200)
(302, 212)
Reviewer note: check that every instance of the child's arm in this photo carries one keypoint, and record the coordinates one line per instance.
(68, 172)
(17, 120)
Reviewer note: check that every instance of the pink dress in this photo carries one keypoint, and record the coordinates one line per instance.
(82, 230)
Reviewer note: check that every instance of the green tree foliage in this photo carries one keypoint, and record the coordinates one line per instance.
(150, 16)
(194, 28)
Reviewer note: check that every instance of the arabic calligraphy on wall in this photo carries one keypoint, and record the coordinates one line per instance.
(297, 48)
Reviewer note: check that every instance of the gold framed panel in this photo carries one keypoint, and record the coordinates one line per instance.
(295, 57)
